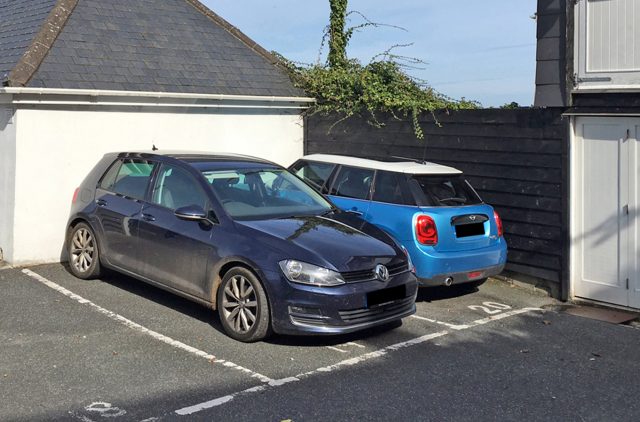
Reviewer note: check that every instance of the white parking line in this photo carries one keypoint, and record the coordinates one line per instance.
(141, 329)
(446, 324)
(349, 362)
(277, 383)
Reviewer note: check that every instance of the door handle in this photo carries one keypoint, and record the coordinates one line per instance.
(148, 217)
(356, 212)
(625, 210)
(101, 202)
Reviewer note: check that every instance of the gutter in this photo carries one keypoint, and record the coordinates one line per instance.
(93, 97)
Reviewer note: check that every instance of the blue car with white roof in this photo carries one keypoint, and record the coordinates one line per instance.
(450, 234)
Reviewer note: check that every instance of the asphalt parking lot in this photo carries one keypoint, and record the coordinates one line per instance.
(116, 349)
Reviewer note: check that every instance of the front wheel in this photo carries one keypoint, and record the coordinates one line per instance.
(84, 256)
(243, 307)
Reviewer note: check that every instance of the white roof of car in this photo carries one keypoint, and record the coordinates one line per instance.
(409, 167)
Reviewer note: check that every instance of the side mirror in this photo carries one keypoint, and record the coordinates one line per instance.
(191, 213)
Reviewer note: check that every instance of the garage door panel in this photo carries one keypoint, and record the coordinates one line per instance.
(634, 219)
(600, 193)
(601, 188)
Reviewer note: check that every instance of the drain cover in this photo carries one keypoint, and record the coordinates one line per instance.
(600, 314)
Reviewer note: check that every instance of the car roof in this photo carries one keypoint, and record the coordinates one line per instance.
(195, 156)
(399, 166)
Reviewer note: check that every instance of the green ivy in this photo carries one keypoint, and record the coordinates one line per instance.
(347, 88)
(379, 87)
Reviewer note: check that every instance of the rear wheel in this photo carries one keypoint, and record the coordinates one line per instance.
(243, 307)
(84, 256)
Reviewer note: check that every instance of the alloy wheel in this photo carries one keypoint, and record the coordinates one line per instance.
(240, 304)
(82, 250)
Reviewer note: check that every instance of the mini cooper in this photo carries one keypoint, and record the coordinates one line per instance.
(452, 236)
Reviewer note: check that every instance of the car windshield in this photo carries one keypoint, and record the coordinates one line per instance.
(444, 191)
(257, 194)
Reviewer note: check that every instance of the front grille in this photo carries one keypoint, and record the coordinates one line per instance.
(368, 275)
(357, 316)
(400, 268)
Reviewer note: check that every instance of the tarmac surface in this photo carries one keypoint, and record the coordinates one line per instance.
(119, 350)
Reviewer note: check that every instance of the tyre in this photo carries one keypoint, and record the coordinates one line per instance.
(243, 307)
(84, 255)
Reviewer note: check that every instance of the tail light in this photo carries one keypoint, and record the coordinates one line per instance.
(75, 195)
(426, 231)
(498, 224)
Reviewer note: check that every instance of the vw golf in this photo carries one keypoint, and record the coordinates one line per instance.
(215, 229)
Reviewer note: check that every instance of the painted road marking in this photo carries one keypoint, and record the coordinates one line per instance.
(348, 362)
(141, 329)
(350, 343)
(277, 383)
(446, 324)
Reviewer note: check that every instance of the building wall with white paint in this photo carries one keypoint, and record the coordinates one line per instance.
(7, 180)
(57, 145)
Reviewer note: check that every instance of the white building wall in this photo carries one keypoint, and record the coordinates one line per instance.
(56, 148)
(7, 180)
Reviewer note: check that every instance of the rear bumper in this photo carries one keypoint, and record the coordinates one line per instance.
(433, 267)
(460, 277)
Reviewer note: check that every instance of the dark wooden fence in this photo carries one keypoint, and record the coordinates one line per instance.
(516, 159)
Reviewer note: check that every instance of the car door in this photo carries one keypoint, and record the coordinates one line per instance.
(119, 198)
(176, 252)
(392, 206)
(351, 189)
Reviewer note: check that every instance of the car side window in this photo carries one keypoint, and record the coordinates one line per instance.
(353, 182)
(109, 178)
(176, 188)
(316, 174)
(389, 188)
(131, 178)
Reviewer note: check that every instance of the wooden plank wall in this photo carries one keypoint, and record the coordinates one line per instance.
(516, 159)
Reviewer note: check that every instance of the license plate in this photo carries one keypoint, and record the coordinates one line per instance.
(380, 297)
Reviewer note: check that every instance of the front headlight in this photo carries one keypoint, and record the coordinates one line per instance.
(303, 273)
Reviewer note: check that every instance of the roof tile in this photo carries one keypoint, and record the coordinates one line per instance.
(142, 45)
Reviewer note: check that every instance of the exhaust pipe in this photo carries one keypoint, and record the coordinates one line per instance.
(448, 281)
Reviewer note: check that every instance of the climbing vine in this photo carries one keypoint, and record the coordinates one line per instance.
(347, 88)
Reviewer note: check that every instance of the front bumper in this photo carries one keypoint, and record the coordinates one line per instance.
(343, 309)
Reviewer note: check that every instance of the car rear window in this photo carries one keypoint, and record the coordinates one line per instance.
(443, 191)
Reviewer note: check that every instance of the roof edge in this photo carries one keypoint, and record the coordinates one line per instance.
(35, 54)
(151, 94)
(236, 33)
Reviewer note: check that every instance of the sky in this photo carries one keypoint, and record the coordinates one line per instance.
(481, 50)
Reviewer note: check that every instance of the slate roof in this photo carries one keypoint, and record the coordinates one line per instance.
(20, 21)
(147, 45)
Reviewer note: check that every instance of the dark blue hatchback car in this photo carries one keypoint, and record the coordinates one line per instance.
(215, 229)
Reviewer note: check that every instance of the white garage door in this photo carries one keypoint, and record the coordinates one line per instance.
(605, 227)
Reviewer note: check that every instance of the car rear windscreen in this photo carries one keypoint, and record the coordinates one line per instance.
(443, 191)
